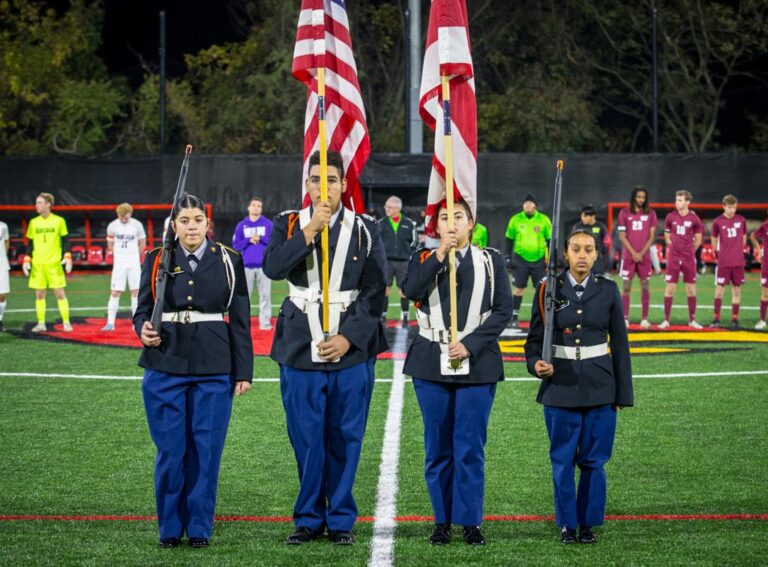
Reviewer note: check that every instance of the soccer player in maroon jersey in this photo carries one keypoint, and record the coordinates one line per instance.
(683, 231)
(637, 231)
(761, 234)
(729, 236)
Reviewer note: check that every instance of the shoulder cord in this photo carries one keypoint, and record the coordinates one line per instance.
(229, 270)
(491, 274)
(543, 286)
(369, 241)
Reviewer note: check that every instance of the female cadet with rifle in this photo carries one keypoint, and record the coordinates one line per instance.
(194, 361)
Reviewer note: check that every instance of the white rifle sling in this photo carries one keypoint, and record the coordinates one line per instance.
(309, 299)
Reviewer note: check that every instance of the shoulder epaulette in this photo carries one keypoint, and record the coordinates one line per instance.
(288, 212)
(496, 250)
(368, 217)
(604, 277)
(155, 250)
(229, 248)
(423, 255)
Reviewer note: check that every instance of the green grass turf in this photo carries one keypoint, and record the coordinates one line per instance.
(690, 446)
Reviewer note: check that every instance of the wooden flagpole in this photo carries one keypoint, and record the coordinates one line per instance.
(448, 144)
(321, 138)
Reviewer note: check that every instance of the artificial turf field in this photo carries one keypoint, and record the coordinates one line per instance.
(694, 445)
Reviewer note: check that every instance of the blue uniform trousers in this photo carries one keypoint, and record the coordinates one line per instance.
(188, 417)
(580, 437)
(326, 413)
(455, 430)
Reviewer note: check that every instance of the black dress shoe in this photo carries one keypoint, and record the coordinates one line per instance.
(568, 536)
(169, 542)
(341, 538)
(198, 542)
(586, 535)
(441, 534)
(473, 535)
(304, 535)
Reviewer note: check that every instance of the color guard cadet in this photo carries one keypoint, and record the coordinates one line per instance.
(456, 403)
(583, 388)
(326, 383)
(192, 368)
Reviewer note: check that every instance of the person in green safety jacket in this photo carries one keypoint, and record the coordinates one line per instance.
(480, 236)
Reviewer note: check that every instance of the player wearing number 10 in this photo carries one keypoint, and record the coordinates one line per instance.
(127, 240)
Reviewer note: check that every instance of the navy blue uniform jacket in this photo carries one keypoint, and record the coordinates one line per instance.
(596, 318)
(360, 324)
(485, 364)
(211, 347)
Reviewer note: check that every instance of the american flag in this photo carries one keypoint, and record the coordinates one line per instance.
(448, 52)
(323, 40)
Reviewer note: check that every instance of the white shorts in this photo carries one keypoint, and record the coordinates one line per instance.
(130, 274)
(5, 282)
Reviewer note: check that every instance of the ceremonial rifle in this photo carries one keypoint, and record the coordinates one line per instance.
(165, 256)
(550, 289)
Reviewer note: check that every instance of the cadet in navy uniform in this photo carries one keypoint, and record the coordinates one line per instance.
(585, 386)
(326, 384)
(456, 404)
(192, 369)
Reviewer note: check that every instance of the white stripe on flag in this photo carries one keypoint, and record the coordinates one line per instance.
(453, 45)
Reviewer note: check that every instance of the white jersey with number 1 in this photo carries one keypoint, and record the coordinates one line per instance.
(125, 237)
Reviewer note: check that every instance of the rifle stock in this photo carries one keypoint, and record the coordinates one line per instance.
(165, 255)
(550, 291)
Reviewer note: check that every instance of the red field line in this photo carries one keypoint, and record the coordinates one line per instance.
(401, 519)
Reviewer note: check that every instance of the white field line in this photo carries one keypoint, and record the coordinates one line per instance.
(385, 380)
(383, 540)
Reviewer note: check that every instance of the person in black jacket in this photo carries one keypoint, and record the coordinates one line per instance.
(456, 403)
(327, 382)
(398, 233)
(583, 388)
(192, 368)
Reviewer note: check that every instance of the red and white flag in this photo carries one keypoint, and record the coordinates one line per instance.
(448, 52)
(323, 40)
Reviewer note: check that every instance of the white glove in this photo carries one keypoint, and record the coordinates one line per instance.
(25, 267)
(67, 261)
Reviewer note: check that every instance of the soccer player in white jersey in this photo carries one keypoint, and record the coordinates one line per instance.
(5, 269)
(127, 240)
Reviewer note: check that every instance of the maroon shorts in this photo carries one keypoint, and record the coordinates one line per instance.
(729, 276)
(629, 267)
(687, 266)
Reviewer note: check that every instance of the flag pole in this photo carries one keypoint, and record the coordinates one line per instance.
(448, 144)
(321, 138)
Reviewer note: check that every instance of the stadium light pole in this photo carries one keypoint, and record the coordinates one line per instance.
(415, 126)
(162, 82)
(654, 50)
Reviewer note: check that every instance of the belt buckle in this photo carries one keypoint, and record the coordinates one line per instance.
(187, 318)
(578, 353)
(174, 317)
(444, 336)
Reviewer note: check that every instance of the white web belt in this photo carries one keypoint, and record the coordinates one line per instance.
(191, 317)
(580, 352)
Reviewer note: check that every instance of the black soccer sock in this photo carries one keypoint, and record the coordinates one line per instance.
(404, 307)
(517, 300)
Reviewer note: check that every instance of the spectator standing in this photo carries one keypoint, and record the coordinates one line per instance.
(398, 233)
(729, 236)
(251, 239)
(683, 232)
(528, 234)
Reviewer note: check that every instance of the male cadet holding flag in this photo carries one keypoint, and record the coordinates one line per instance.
(326, 382)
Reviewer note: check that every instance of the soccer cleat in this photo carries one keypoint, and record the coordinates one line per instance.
(760, 325)
(108, 327)
(663, 325)
(2, 327)
(405, 322)
(694, 325)
(645, 324)
(735, 325)
(39, 328)
(67, 327)
(513, 323)
(714, 324)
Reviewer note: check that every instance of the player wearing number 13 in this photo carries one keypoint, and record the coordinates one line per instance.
(729, 236)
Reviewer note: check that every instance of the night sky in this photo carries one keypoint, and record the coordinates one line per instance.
(131, 32)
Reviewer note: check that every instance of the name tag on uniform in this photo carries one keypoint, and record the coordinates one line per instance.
(447, 368)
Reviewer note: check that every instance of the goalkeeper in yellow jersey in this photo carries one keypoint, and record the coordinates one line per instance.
(48, 250)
